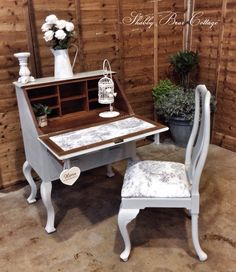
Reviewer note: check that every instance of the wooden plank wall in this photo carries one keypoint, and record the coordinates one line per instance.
(13, 39)
(217, 49)
(138, 58)
(170, 36)
(206, 40)
(130, 48)
(224, 133)
(101, 34)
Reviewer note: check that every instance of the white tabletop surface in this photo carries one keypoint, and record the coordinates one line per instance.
(96, 134)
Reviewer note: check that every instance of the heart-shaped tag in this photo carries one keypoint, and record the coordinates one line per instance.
(69, 176)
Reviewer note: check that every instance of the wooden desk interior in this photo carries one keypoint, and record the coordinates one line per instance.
(74, 102)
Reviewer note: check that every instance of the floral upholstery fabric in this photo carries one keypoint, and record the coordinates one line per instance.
(156, 179)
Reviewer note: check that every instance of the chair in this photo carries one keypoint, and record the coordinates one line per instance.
(169, 184)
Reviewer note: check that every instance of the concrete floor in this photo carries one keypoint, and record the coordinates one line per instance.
(87, 238)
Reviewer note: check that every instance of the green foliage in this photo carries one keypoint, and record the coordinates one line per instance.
(172, 101)
(163, 88)
(62, 44)
(183, 62)
(40, 109)
(177, 103)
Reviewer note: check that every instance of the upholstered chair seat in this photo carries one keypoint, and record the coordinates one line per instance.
(156, 179)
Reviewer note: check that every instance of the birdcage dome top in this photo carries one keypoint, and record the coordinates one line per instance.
(105, 81)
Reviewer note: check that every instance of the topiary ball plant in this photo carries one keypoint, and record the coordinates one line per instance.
(183, 62)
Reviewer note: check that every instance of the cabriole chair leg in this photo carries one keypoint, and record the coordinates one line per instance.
(201, 254)
(124, 217)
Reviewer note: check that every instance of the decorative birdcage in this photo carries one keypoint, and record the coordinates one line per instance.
(106, 92)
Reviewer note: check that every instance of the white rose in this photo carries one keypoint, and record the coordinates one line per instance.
(48, 35)
(51, 19)
(60, 34)
(45, 27)
(69, 26)
(60, 24)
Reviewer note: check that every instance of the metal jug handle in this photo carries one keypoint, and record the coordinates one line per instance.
(76, 54)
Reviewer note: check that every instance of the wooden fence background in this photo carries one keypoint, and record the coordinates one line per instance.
(217, 48)
(139, 53)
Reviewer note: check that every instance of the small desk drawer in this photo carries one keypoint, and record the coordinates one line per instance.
(104, 156)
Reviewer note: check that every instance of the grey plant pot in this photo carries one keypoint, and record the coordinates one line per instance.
(180, 130)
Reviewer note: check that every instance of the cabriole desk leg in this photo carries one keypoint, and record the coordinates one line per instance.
(27, 173)
(110, 172)
(46, 189)
(157, 138)
(135, 157)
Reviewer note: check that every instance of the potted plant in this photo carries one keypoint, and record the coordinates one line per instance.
(176, 103)
(177, 108)
(41, 112)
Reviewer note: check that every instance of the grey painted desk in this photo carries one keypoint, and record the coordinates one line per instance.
(86, 146)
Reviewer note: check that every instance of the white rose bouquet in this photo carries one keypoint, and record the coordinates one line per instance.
(57, 32)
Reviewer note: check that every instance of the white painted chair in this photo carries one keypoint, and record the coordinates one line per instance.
(169, 184)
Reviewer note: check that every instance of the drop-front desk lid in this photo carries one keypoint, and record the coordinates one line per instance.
(79, 141)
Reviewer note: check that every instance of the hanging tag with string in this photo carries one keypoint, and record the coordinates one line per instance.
(69, 175)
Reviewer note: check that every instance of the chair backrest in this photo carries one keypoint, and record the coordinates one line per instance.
(198, 143)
